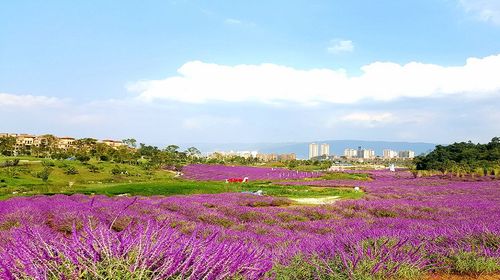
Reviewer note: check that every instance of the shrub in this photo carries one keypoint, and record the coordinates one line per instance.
(298, 268)
(48, 163)
(251, 216)
(117, 170)
(384, 213)
(62, 164)
(281, 202)
(71, 170)
(104, 158)
(215, 220)
(94, 169)
(83, 158)
(472, 263)
(8, 163)
(44, 174)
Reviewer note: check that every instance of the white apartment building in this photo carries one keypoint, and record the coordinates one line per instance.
(324, 149)
(313, 150)
(366, 153)
(407, 154)
(350, 153)
(388, 153)
(244, 154)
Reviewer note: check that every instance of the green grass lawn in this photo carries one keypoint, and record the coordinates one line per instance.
(344, 176)
(22, 180)
(186, 187)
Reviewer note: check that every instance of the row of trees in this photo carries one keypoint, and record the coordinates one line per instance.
(89, 148)
(463, 157)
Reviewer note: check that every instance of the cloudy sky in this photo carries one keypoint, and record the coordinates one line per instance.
(252, 71)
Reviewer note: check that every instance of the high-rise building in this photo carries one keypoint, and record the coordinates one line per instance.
(313, 150)
(350, 153)
(324, 149)
(387, 154)
(366, 153)
(407, 154)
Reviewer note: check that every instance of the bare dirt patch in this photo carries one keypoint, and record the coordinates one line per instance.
(316, 200)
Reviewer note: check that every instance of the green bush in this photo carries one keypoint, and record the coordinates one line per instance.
(117, 170)
(93, 168)
(473, 264)
(312, 267)
(48, 163)
(82, 158)
(71, 170)
(44, 174)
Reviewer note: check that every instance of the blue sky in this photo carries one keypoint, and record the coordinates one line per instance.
(252, 71)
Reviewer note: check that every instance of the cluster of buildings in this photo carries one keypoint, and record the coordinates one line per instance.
(276, 157)
(359, 153)
(254, 154)
(370, 154)
(27, 141)
(323, 151)
(319, 150)
(389, 154)
(243, 154)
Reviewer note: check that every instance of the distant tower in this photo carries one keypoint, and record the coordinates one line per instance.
(324, 150)
(313, 150)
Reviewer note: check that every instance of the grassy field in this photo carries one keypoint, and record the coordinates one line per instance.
(69, 177)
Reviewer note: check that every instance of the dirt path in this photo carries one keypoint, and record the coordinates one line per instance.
(316, 200)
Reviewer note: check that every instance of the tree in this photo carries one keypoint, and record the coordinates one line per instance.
(48, 144)
(131, 142)
(193, 152)
(45, 173)
(7, 145)
(462, 157)
(100, 151)
(172, 149)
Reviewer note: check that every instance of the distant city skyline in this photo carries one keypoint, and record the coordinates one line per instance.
(212, 72)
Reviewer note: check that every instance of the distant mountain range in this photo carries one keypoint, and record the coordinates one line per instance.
(301, 149)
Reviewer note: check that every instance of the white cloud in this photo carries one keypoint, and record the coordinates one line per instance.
(233, 21)
(200, 82)
(207, 122)
(485, 10)
(84, 119)
(339, 46)
(384, 118)
(367, 117)
(28, 101)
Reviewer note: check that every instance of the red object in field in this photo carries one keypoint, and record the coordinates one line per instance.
(236, 180)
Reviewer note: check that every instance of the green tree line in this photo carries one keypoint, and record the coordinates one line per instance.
(463, 158)
(86, 149)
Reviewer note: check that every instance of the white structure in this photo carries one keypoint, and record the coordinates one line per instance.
(366, 153)
(350, 153)
(387, 153)
(245, 154)
(324, 150)
(407, 154)
(392, 167)
(313, 150)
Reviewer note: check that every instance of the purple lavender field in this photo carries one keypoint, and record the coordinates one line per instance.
(221, 172)
(404, 228)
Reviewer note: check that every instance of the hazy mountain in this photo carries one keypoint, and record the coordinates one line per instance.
(302, 148)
